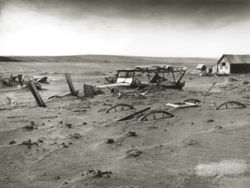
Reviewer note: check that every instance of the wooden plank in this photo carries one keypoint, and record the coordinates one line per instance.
(173, 74)
(70, 84)
(88, 90)
(36, 95)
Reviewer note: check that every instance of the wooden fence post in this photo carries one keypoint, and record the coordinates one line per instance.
(70, 84)
(36, 95)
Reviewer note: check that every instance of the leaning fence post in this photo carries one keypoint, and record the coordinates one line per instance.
(36, 95)
(70, 84)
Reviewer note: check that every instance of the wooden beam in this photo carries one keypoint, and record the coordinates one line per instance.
(134, 114)
(173, 74)
(70, 84)
(181, 76)
(36, 95)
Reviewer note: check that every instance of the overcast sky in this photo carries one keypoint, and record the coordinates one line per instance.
(191, 28)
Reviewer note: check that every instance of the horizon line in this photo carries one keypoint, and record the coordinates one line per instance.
(118, 55)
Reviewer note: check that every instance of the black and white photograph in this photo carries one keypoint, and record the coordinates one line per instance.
(124, 93)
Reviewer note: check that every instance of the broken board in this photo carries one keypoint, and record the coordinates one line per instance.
(182, 104)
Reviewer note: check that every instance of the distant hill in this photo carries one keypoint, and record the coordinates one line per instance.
(105, 58)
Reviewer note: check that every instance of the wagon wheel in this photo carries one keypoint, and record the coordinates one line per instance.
(195, 101)
(229, 104)
(156, 114)
(120, 107)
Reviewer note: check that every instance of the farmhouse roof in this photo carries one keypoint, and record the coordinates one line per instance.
(236, 59)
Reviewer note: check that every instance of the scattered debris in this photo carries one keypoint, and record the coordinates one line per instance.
(110, 141)
(69, 125)
(26, 79)
(218, 127)
(133, 153)
(11, 101)
(156, 114)
(40, 140)
(12, 142)
(138, 113)
(99, 173)
(29, 144)
(131, 133)
(120, 107)
(43, 80)
(190, 142)
(57, 177)
(210, 120)
(245, 82)
(76, 135)
(22, 80)
(31, 126)
(6, 82)
(65, 145)
(231, 105)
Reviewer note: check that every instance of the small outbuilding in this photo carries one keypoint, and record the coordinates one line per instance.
(229, 63)
(201, 67)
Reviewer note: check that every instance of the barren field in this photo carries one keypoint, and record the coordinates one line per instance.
(74, 143)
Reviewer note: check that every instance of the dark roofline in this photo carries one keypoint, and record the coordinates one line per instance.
(230, 55)
(222, 58)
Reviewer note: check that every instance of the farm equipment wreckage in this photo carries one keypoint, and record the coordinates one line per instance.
(131, 79)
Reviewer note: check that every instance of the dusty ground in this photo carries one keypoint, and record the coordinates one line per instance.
(199, 147)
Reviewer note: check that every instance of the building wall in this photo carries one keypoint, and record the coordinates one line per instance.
(223, 67)
(214, 69)
(240, 68)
